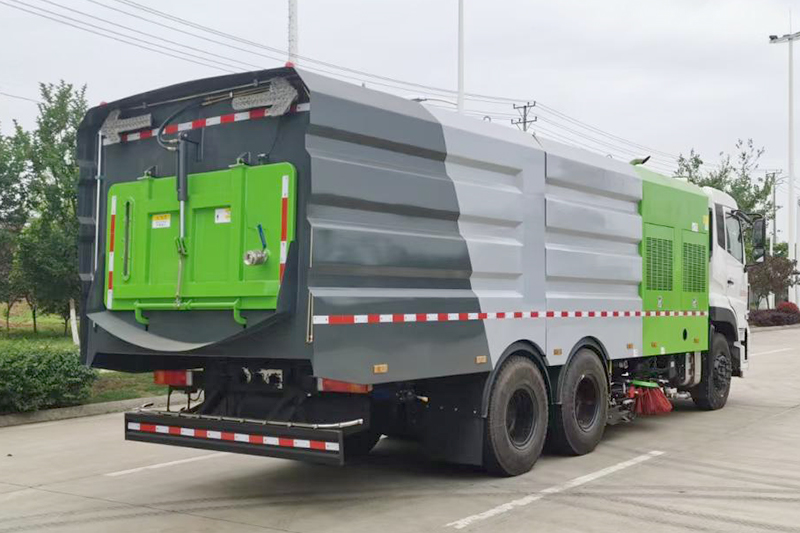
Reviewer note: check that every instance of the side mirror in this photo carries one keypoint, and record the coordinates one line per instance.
(759, 239)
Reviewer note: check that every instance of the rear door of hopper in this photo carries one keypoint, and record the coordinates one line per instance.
(229, 213)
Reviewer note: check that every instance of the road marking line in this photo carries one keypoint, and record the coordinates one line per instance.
(771, 351)
(162, 465)
(521, 502)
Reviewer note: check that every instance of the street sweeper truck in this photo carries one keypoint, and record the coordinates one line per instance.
(318, 264)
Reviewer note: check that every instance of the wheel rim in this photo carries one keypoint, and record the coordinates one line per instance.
(520, 417)
(587, 405)
(722, 374)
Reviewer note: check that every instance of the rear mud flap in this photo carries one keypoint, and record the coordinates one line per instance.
(314, 444)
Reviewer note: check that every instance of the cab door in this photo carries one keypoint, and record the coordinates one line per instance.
(736, 282)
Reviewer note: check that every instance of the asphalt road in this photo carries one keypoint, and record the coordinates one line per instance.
(737, 469)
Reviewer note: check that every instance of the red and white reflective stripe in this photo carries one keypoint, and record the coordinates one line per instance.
(462, 317)
(205, 122)
(111, 232)
(282, 442)
(284, 222)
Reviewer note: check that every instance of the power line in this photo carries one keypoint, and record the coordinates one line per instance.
(598, 130)
(138, 45)
(473, 96)
(173, 28)
(205, 60)
(225, 66)
(404, 84)
(592, 139)
(106, 21)
(255, 44)
(566, 139)
(19, 97)
(252, 43)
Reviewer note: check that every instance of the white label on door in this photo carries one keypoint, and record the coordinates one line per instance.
(222, 215)
(695, 227)
(162, 220)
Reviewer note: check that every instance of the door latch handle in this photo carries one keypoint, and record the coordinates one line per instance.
(730, 281)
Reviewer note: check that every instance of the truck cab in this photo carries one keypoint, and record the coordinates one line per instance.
(728, 283)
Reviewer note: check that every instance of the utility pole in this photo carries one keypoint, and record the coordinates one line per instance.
(790, 38)
(460, 102)
(523, 121)
(292, 59)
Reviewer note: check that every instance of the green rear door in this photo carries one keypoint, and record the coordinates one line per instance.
(227, 213)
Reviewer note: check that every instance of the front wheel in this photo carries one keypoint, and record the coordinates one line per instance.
(516, 425)
(715, 383)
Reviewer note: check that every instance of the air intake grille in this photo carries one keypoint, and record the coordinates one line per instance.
(659, 264)
(694, 267)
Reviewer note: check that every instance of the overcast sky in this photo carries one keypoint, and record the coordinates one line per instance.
(669, 75)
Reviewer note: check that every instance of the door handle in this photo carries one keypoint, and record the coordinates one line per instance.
(730, 281)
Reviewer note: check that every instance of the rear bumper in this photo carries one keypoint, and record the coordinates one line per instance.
(319, 444)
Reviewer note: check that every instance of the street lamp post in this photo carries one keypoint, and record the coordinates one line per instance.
(790, 38)
(460, 56)
(291, 60)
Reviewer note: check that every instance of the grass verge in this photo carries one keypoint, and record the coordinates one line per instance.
(114, 386)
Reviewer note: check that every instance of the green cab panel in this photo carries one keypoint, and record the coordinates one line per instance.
(226, 215)
(675, 258)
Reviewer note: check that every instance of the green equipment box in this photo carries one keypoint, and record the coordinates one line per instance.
(239, 223)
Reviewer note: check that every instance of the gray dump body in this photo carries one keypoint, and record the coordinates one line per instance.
(415, 228)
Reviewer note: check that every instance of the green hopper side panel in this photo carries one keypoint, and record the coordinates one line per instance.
(223, 213)
(674, 253)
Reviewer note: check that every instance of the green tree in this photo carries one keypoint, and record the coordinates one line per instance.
(733, 175)
(48, 255)
(775, 275)
(46, 260)
(15, 172)
(780, 249)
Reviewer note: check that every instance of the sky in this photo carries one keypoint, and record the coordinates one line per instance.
(666, 75)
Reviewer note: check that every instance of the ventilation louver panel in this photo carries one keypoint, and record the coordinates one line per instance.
(659, 264)
(694, 268)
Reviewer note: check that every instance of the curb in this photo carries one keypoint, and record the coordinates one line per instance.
(79, 411)
(756, 329)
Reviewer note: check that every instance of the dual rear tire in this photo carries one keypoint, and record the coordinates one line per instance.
(519, 413)
(579, 420)
(516, 425)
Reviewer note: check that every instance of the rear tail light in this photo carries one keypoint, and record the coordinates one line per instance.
(174, 378)
(332, 385)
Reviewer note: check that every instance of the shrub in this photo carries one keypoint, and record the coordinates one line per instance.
(35, 375)
(773, 317)
(788, 307)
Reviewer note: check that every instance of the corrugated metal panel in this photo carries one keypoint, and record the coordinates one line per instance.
(385, 239)
(499, 179)
(593, 231)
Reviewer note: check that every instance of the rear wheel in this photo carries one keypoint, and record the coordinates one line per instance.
(715, 383)
(579, 423)
(516, 425)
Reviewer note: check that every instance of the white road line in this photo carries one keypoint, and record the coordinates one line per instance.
(521, 502)
(771, 351)
(162, 465)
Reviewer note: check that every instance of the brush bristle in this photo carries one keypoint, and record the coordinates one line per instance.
(651, 401)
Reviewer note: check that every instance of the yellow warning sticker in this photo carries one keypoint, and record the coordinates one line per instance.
(705, 222)
(222, 215)
(162, 220)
